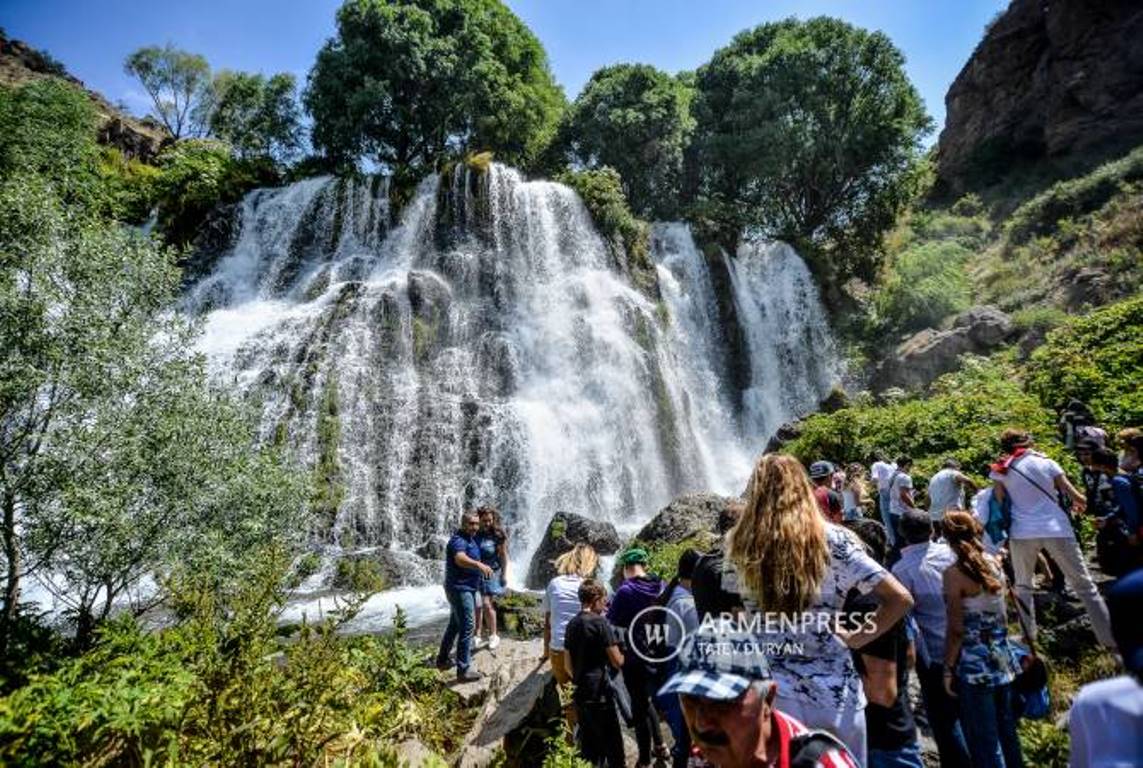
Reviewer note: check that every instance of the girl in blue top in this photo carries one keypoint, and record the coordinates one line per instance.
(493, 542)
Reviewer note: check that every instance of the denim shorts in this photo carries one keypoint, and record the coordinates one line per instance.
(493, 585)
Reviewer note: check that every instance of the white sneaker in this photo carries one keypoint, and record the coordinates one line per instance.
(493, 642)
(479, 642)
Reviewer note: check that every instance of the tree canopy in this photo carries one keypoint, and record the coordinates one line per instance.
(257, 116)
(403, 82)
(809, 131)
(636, 119)
(178, 83)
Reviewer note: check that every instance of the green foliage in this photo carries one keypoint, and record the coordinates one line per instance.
(258, 117)
(178, 83)
(1043, 744)
(1097, 358)
(47, 128)
(1038, 319)
(1074, 197)
(809, 131)
(197, 175)
(404, 82)
(635, 119)
(602, 193)
(962, 416)
(359, 574)
(130, 187)
(220, 688)
(663, 558)
(109, 415)
(922, 285)
(562, 753)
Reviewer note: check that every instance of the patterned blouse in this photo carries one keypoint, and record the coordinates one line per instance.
(986, 656)
(814, 665)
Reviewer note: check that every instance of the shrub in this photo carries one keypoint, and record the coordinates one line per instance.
(1073, 197)
(1097, 358)
(602, 193)
(130, 186)
(923, 285)
(359, 574)
(220, 688)
(962, 417)
(197, 175)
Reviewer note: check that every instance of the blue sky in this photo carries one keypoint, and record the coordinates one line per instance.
(92, 37)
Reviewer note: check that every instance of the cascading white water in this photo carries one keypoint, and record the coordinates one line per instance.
(489, 349)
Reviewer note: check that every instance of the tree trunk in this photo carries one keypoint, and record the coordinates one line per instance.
(12, 576)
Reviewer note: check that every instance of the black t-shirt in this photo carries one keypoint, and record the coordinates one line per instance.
(887, 727)
(587, 638)
(711, 599)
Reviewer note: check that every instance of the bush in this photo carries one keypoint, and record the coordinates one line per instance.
(1074, 197)
(923, 285)
(130, 186)
(197, 175)
(962, 417)
(219, 688)
(358, 574)
(602, 193)
(1097, 358)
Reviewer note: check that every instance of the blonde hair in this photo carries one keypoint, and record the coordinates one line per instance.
(779, 545)
(580, 560)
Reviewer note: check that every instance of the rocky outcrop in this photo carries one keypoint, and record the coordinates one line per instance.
(930, 353)
(136, 139)
(515, 695)
(694, 514)
(565, 530)
(1048, 79)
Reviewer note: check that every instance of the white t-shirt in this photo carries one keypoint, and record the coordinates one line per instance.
(945, 493)
(899, 480)
(561, 600)
(814, 666)
(880, 472)
(1106, 725)
(1035, 513)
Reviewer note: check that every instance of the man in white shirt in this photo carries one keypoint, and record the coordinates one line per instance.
(921, 570)
(900, 496)
(1106, 719)
(947, 490)
(880, 472)
(1031, 481)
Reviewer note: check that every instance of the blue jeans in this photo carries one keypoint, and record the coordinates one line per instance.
(990, 726)
(461, 620)
(886, 518)
(944, 717)
(908, 756)
(672, 711)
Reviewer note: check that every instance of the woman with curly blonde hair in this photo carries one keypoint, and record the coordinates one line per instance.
(794, 570)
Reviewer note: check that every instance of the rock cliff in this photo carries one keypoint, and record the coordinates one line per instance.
(1049, 79)
(136, 139)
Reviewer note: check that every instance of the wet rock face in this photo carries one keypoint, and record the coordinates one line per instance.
(565, 530)
(930, 353)
(1048, 79)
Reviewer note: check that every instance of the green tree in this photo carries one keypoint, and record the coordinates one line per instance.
(47, 128)
(635, 119)
(179, 85)
(809, 131)
(259, 117)
(406, 81)
(107, 416)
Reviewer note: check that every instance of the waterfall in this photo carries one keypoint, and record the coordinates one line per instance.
(488, 348)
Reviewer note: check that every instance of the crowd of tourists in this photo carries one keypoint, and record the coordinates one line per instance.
(792, 642)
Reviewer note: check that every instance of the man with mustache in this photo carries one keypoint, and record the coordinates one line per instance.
(727, 693)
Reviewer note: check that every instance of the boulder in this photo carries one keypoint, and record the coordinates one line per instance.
(786, 433)
(930, 353)
(429, 296)
(565, 530)
(515, 695)
(518, 614)
(684, 518)
(1049, 79)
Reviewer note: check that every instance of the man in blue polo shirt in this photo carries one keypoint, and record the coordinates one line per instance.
(463, 570)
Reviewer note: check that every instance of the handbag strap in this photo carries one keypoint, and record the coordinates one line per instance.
(1037, 486)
